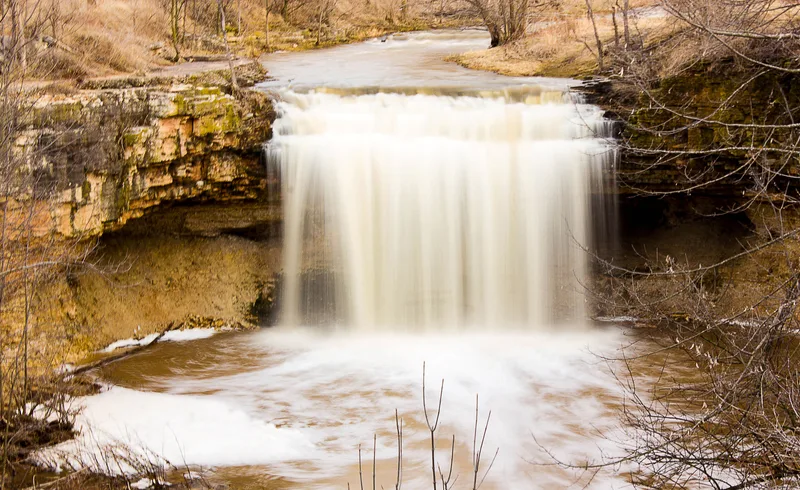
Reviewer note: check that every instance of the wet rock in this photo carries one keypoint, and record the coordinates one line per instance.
(264, 310)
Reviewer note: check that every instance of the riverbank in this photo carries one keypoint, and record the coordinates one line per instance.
(89, 40)
(565, 45)
(173, 163)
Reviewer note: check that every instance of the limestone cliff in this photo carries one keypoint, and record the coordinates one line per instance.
(164, 180)
(114, 155)
(700, 128)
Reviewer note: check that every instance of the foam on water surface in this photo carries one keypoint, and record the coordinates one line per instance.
(311, 399)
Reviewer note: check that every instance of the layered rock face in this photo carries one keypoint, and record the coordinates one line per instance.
(703, 177)
(700, 129)
(165, 182)
(116, 155)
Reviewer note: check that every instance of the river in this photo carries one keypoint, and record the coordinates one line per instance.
(434, 216)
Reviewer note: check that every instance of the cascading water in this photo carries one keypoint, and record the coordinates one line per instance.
(436, 212)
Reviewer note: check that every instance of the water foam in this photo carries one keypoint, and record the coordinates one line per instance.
(314, 398)
(430, 229)
(162, 428)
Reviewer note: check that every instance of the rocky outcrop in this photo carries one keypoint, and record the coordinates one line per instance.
(699, 129)
(164, 181)
(113, 155)
(702, 166)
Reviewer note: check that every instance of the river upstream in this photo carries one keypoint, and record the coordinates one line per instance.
(433, 215)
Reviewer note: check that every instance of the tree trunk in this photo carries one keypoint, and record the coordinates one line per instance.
(596, 36)
(15, 37)
(55, 18)
(625, 28)
(194, 23)
(175, 27)
(234, 83)
(23, 39)
(184, 10)
(266, 25)
(616, 27)
(494, 32)
(319, 22)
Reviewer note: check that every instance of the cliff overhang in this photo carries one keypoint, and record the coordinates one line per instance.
(108, 156)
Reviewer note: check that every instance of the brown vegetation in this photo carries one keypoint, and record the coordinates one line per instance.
(33, 408)
(562, 40)
(80, 39)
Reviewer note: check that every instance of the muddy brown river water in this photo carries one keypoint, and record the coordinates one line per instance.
(290, 408)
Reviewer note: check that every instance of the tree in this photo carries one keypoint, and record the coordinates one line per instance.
(176, 10)
(31, 251)
(267, 7)
(625, 23)
(288, 8)
(506, 20)
(324, 9)
(224, 26)
(596, 36)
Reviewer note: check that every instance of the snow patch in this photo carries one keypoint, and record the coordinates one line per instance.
(121, 344)
(170, 336)
(148, 483)
(179, 429)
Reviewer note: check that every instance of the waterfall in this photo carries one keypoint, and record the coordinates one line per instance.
(422, 212)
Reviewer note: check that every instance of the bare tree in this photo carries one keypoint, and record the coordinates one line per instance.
(224, 27)
(289, 8)
(506, 20)
(267, 7)
(598, 41)
(324, 9)
(32, 252)
(439, 476)
(626, 22)
(443, 4)
(176, 10)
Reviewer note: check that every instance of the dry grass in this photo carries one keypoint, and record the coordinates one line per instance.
(563, 45)
(690, 46)
(108, 38)
(126, 36)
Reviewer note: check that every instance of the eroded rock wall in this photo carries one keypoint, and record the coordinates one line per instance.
(165, 183)
(703, 178)
(116, 155)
